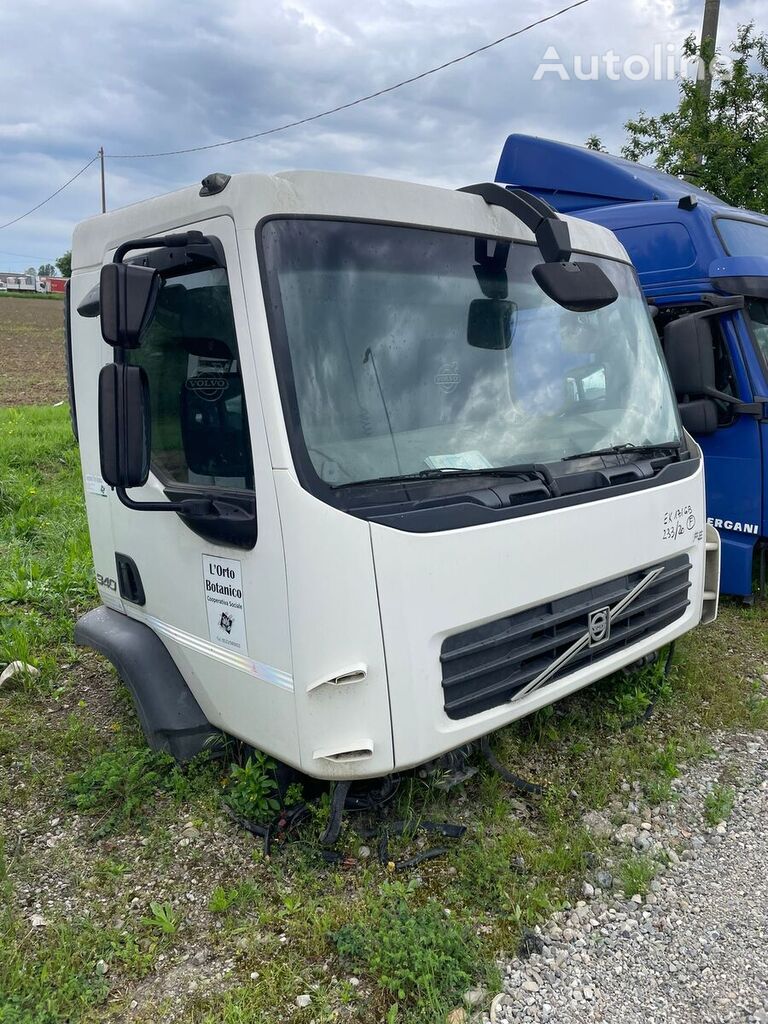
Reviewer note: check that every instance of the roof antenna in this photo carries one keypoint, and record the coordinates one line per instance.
(214, 183)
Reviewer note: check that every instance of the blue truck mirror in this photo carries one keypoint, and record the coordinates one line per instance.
(699, 417)
(690, 353)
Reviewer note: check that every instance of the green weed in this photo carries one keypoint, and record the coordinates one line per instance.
(718, 804)
(120, 783)
(414, 952)
(636, 874)
(252, 788)
(162, 918)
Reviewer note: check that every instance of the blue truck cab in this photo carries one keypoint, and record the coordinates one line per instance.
(703, 266)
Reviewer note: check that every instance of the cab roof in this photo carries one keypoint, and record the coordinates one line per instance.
(576, 178)
(248, 198)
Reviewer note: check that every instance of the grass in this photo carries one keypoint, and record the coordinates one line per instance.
(125, 886)
(58, 296)
(414, 952)
(718, 804)
(636, 874)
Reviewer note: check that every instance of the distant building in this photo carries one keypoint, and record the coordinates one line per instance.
(21, 282)
(54, 284)
(16, 282)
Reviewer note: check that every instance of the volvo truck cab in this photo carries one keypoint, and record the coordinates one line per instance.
(373, 469)
(703, 266)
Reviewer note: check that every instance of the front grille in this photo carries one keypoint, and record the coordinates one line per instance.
(488, 665)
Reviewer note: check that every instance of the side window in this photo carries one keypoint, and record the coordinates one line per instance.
(724, 377)
(189, 353)
(758, 313)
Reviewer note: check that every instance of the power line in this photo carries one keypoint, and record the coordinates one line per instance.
(51, 196)
(300, 121)
(351, 103)
(26, 256)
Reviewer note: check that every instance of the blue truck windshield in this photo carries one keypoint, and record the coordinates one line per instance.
(758, 314)
(385, 378)
(743, 237)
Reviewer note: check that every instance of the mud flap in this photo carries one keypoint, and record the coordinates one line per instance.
(170, 717)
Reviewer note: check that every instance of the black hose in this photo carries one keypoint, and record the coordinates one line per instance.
(338, 800)
(522, 785)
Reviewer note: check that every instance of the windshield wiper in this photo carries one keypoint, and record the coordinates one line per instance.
(628, 448)
(528, 469)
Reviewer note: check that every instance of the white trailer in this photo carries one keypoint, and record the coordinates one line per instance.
(373, 469)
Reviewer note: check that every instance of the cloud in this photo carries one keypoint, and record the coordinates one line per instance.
(138, 76)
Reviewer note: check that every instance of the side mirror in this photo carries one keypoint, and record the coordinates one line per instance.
(690, 353)
(699, 417)
(124, 425)
(491, 323)
(127, 298)
(579, 287)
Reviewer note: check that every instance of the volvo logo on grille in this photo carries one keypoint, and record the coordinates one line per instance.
(599, 623)
(598, 631)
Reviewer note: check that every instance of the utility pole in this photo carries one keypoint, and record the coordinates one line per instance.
(103, 182)
(709, 46)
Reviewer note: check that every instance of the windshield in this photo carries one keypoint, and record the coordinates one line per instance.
(758, 313)
(743, 237)
(397, 361)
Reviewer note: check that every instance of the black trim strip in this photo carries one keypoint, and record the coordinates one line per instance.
(68, 359)
(463, 514)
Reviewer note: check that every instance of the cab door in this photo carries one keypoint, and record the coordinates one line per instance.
(213, 588)
(733, 464)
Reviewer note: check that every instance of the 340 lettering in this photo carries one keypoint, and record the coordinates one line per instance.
(106, 581)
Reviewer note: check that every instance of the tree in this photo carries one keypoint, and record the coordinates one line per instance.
(64, 263)
(595, 143)
(721, 146)
(46, 270)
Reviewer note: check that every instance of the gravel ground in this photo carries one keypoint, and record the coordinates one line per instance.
(694, 950)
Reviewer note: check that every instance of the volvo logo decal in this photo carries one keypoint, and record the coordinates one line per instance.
(598, 631)
(448, 377)
(209, 386)
(599, 623)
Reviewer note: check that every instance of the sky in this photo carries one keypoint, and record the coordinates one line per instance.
(138, 76)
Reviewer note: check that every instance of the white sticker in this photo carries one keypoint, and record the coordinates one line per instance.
(223, 583)
(95, 485)
(459, 460)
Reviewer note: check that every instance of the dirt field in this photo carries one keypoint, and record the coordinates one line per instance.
(31, 351)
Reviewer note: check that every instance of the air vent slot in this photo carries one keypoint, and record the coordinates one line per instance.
(362, 751)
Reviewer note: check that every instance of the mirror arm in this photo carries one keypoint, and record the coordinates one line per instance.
(553, 236)
(756, 408)
(189, 507)
(732, 306)
(177, 241)
(196, 508)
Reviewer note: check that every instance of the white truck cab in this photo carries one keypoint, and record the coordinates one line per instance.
(373, 469)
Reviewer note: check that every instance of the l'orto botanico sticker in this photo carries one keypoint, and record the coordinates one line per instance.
(223, 584)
